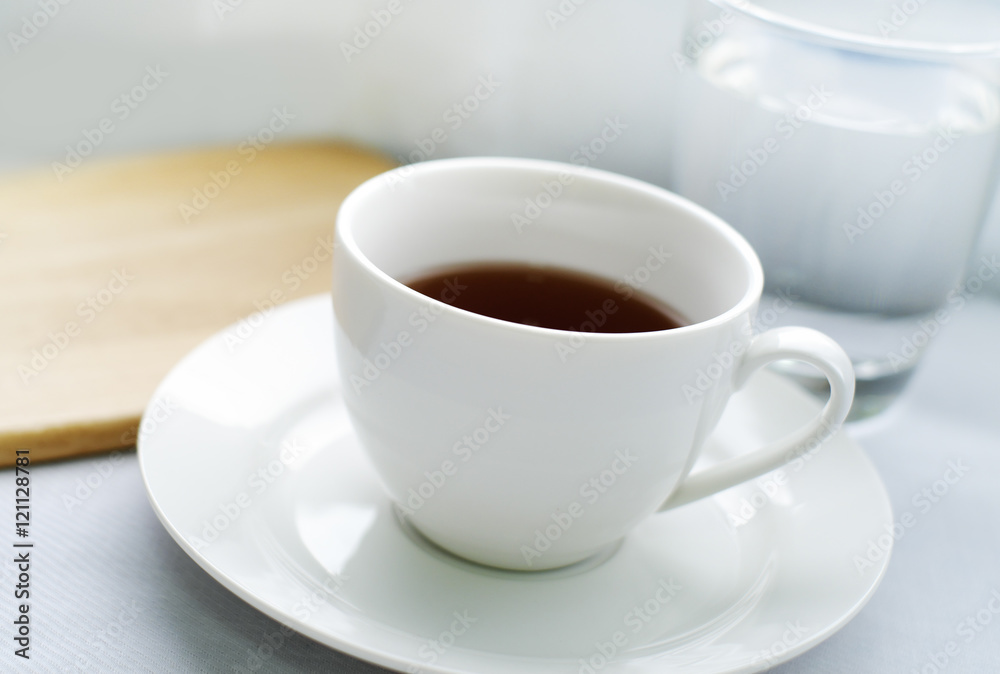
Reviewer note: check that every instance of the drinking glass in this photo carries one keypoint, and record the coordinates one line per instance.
(855, 145)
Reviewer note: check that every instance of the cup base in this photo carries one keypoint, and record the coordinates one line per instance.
(443, 554)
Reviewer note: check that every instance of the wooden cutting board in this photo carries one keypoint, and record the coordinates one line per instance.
(112, 273)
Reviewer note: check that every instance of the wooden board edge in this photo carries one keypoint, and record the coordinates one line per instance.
(69, 441)
(140, 159)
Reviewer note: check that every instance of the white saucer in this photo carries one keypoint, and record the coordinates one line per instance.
(247, 436)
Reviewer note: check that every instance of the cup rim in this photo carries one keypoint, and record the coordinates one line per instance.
(755, 287)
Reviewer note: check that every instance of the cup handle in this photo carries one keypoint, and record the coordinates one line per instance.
(794, 343)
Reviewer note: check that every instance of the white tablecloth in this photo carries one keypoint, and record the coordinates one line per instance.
(112, 592)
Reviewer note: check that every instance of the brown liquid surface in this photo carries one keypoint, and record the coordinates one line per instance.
(548, 297)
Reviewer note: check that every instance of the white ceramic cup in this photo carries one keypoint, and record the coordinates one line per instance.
(529, 448)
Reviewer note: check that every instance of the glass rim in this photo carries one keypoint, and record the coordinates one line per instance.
(860, 41)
